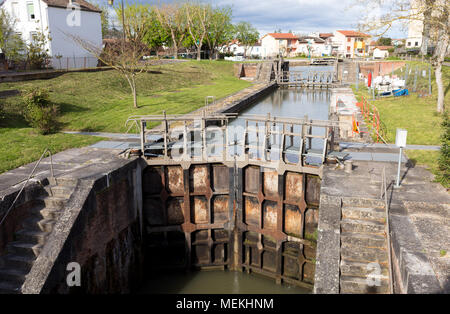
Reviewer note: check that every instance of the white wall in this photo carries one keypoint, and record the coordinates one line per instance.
(53, 21)
(17, 9)
(89, 29)
(270, 47)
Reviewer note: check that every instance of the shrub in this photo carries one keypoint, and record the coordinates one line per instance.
(2, 112)
(40, 112)
(444, 156)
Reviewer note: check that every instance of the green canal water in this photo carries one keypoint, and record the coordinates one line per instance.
(215, 282)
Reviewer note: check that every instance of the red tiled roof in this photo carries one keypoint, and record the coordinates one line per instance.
(384, 47)
(325, 35)
(283, 35)
(353, 34)
(84, 5)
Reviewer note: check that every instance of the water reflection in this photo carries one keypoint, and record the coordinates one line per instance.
(215, 282)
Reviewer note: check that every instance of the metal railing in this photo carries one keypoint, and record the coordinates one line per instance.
(383, 192)
(28, 179)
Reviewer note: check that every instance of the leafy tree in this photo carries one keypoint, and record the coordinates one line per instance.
(221, 30)
(156, 35)
(37, 52)
(11, 43)
(173, 18)
(198, 18)
(384, 41)
(247, 35)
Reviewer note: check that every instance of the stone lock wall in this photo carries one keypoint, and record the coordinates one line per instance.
(100, 230)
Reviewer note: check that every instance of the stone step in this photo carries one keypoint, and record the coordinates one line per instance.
(349, 284)
(12, 276)
(10, 288)
(362, 202)
(363, 254)
(18, 262)
(53, 202)
(362, 226)
(24, 248)
(358, 269)
(31, 236)
(46, 213)
(364, 213)
(63, 181)
(363, 239)
(39, 224)
(59, 191)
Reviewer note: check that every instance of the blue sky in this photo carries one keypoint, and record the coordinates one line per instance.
(299, 16)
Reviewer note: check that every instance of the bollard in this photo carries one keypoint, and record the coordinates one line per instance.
(348, 166)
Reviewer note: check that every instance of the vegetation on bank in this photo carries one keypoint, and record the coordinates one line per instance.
(417, 115)
(100, 102)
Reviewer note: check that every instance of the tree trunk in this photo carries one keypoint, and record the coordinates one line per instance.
(440, 87)
(199, 53)
(132, 82)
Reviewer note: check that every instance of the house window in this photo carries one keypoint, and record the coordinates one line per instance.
(15, 9)
(348, 49)
(30, 11)
(409, 44)
(33, 36)
(349, 39)
(417, 43)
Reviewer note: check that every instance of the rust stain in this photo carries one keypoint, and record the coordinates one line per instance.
(252, 211)
(294, 187)
(312, 190)
(221, 178)
(200, 209)
(220, 208)
(175, 179)
(311, 220)
(293, 221)
(271, 183)
(251, 179)
(270, 215)
(199, 178)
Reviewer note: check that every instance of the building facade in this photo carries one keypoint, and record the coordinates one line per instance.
(351, 44)
(274, 44)
(59, 20)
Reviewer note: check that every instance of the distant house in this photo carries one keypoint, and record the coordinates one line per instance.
(237, 49)
(381, 52)
(311, 46)
(352, 43)
(59, 18)
(331, 47)
(274, 44)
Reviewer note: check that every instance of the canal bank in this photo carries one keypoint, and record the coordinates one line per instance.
(289, 223)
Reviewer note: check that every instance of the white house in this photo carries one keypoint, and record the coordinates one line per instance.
(273, 44)
(311, 46)
(59, 19)
(351, 43)
(381, 52)
(237, 49)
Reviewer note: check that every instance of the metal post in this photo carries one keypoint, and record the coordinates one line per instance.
(398, 170)
(429, 80)
(415, 80)
(357, 76)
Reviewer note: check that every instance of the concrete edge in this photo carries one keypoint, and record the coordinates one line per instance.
(326, 278)
(412, 272)
(83, 194)
(242, 103)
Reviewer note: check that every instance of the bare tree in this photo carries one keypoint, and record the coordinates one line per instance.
(124, 57)
(198, 22)
(432, 14)
(172, 17)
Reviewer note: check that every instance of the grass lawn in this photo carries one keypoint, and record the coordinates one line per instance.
(102, 102)
(415, 114)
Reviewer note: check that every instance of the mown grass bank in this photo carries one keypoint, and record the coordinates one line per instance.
(417, 115)
(102, 102)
